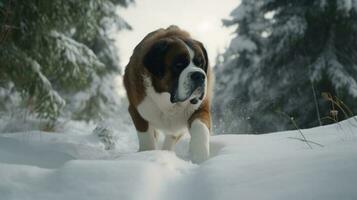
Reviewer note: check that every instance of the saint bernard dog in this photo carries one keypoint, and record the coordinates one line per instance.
(168, 82)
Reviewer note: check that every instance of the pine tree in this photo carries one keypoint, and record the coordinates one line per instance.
(309, 56)
(240, 61)
(54, 52)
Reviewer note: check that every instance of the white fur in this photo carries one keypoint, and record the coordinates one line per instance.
(185, 76)
(158, 110)
(147, 140)
(169, 142)
(199, 144)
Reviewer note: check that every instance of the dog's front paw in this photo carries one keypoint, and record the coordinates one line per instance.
(199, 144)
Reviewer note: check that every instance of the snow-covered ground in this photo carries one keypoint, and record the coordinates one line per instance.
(73, 164)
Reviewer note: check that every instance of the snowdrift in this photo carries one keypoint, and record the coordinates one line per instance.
(72, 164)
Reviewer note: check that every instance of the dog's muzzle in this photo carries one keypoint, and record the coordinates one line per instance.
(192, 87)
(198, 79)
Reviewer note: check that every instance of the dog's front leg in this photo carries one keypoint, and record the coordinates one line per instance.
(148, 139)
(170, 141)
(147, 135)
(200, 124)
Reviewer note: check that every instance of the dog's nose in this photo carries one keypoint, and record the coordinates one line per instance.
(198, 77)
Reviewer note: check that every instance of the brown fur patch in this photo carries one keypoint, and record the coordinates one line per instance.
(140, 123)
(133, 77)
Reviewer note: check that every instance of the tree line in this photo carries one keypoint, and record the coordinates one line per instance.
(291, 63)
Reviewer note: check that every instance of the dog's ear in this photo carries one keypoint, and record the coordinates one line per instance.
(154, 60)
(204, 54)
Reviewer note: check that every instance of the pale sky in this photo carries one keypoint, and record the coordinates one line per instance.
(202, 18)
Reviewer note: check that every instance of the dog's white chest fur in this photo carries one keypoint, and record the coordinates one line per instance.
(157, 109)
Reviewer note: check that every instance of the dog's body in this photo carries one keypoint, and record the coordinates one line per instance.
(168, 82)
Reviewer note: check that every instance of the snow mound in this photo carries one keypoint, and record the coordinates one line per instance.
(74, 164)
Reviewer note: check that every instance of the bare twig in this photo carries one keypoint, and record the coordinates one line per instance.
(347, 112)
(344, 107)
(295, 138)
(316, 104)
(297, 128)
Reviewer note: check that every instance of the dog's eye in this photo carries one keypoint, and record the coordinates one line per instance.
(180, 64)
(198, 61)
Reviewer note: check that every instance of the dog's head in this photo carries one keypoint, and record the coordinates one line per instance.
(178, 66)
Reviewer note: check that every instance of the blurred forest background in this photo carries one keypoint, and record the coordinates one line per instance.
(58, 59)
(291, 63)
